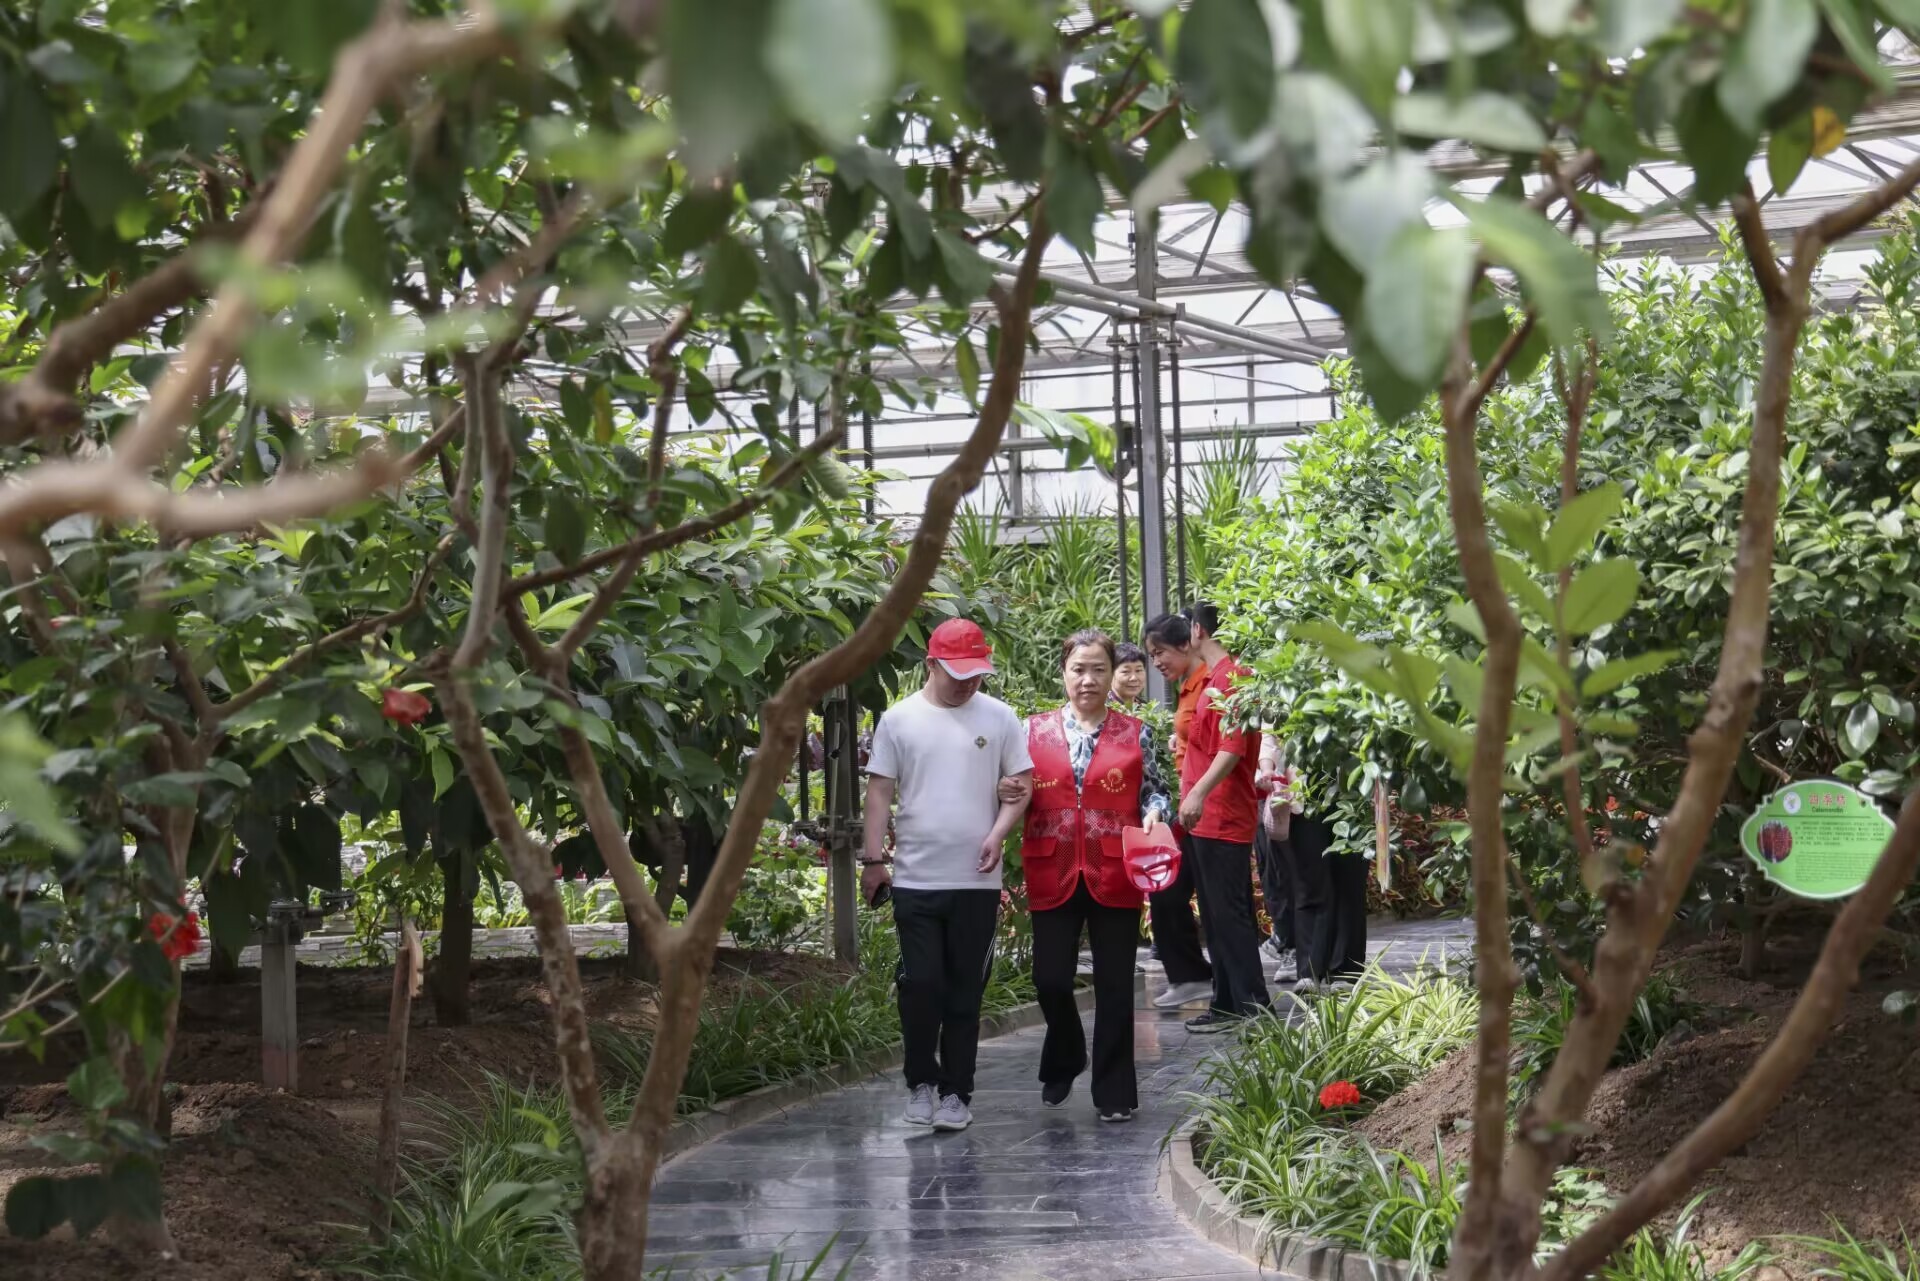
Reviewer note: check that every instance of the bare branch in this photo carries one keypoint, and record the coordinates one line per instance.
(666, 380)
(1843, 222)
(1497, 976)
(1759, 247)
(204, 713)
(1576, 396)
(1742, 1113)
(489, 436)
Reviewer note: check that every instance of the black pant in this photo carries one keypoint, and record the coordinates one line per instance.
(1056, 956)
(1175, 932)
(946, 953)
(1276, 886)
(1331, 892)
(1220, 868)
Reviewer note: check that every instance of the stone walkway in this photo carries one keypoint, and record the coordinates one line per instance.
(1026, 1194)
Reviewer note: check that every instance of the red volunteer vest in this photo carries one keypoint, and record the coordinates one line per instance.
(1071, 836)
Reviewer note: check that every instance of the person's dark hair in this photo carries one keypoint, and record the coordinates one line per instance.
(1171, 630)
(1128, 652)
(1080, 639)
(1204, 614)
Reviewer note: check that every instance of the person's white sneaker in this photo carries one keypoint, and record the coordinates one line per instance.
(1288, 969)
(1180, 994)
(1271, 946)
(920, 1106)
(952, 1114)
(1306, 987)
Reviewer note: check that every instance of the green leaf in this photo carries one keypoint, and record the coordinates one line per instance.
(1555, 274)
(1717, 148)
(1610, 676)
(1488, 120)
(1522, 585)
(1467, 680)
(1547, 669)
(1601, 593)
(1362, 213)
(1904, 14)
(969, 272)
(1862, 728)
(1851, 22)
(309, 35)
(566, 527)
(832, 60)
(35, 1207)
(1551, 17)
(731, 274)
(95, 1085)
(966, 363)
(1522, 523)
(1464, 616)
(1225, 58)
(1789, 148)
(723, 102)
(102, 175)
(1766, 58)
(29, 143)
(1074, 199)
(161, 65)
(695, 219)
(1415, 294)
(442, 772)
(1373, 40)
(1626, 26)
(134, 1186)
(1580, 522)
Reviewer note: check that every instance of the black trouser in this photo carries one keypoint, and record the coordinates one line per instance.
(1056, 956)
(1175, 932)
(1331, 891)
(946, 953)
(1276, 886)
(1220, 869)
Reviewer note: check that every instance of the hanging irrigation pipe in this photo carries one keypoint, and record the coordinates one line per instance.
(1179, 470)
(1090, 297)
(1120, 472)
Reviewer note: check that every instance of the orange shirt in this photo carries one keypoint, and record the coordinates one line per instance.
(1190, 691)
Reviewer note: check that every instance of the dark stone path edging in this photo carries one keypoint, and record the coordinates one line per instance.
(1208, 1211)
(770, 1100)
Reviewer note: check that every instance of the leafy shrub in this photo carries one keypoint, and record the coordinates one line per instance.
(1540, 1026)
(1850, 1259)
(784, 896)
(1675, 1258)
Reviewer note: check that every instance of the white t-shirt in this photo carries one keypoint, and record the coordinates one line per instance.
(946, 764)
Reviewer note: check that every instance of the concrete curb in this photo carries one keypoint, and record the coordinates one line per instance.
(773, 1100)
(1208, 1211)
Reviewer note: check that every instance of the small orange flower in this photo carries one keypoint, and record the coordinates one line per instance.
(1340, 1094)
(404, 707)
(178, 936)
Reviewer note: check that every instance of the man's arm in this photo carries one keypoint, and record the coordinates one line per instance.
(873, 849)
(1010, 812)
(1223, 763)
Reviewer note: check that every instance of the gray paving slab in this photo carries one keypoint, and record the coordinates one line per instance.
(1026, 1194)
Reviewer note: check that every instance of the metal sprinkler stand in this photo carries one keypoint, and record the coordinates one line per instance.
(287, 921)
(838, 830)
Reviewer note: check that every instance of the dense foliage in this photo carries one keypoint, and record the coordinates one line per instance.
(1359, 537)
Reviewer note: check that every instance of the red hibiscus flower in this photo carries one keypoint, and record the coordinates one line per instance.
(1340, 1094)
(178, 936)
(404, 707)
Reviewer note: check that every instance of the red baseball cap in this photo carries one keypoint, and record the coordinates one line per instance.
(962, 649)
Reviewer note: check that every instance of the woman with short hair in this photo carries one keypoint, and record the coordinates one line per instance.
(1095, 774)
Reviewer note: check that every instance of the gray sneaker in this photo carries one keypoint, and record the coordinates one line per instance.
(952, 1114)
(1288, 969)
(1183, 994)
(920, 1106)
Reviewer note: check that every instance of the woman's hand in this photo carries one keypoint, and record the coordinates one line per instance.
(1013, 790)
(1190, 808)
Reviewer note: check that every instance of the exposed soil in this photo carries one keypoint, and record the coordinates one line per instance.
(1839, 1149)
(259, 1182)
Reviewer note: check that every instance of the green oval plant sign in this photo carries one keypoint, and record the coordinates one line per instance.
(1817, 839)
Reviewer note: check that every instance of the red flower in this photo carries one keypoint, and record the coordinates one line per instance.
(178, 936)
(1613, 805)
(1340, 1094)
(404, 707)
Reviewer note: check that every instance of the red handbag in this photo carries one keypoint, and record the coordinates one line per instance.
(1151, 856)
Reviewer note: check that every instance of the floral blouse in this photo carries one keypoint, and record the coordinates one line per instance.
(1080, 747)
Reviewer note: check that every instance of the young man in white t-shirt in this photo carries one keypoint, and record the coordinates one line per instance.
(942, 753)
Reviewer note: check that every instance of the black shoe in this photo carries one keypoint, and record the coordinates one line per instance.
(1214, 1021)
(1055, 1093)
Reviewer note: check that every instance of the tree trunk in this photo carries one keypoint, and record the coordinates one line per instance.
(452, 971)
(406, 980)
(223, 966)
(1753, 932)
(613, 1217)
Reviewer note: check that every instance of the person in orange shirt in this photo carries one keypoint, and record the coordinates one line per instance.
(1176, 931)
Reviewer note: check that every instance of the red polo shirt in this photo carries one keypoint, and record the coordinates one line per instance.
(1230, 810)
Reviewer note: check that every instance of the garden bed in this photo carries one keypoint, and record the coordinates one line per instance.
(1840, 1144)
(259, 1183)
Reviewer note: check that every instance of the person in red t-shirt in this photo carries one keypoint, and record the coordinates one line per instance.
(1218, 810)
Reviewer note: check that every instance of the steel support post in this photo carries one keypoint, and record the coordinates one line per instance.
(1149, 453)
(840, 726)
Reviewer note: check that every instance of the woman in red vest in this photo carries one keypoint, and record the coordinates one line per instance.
(1094, 773)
